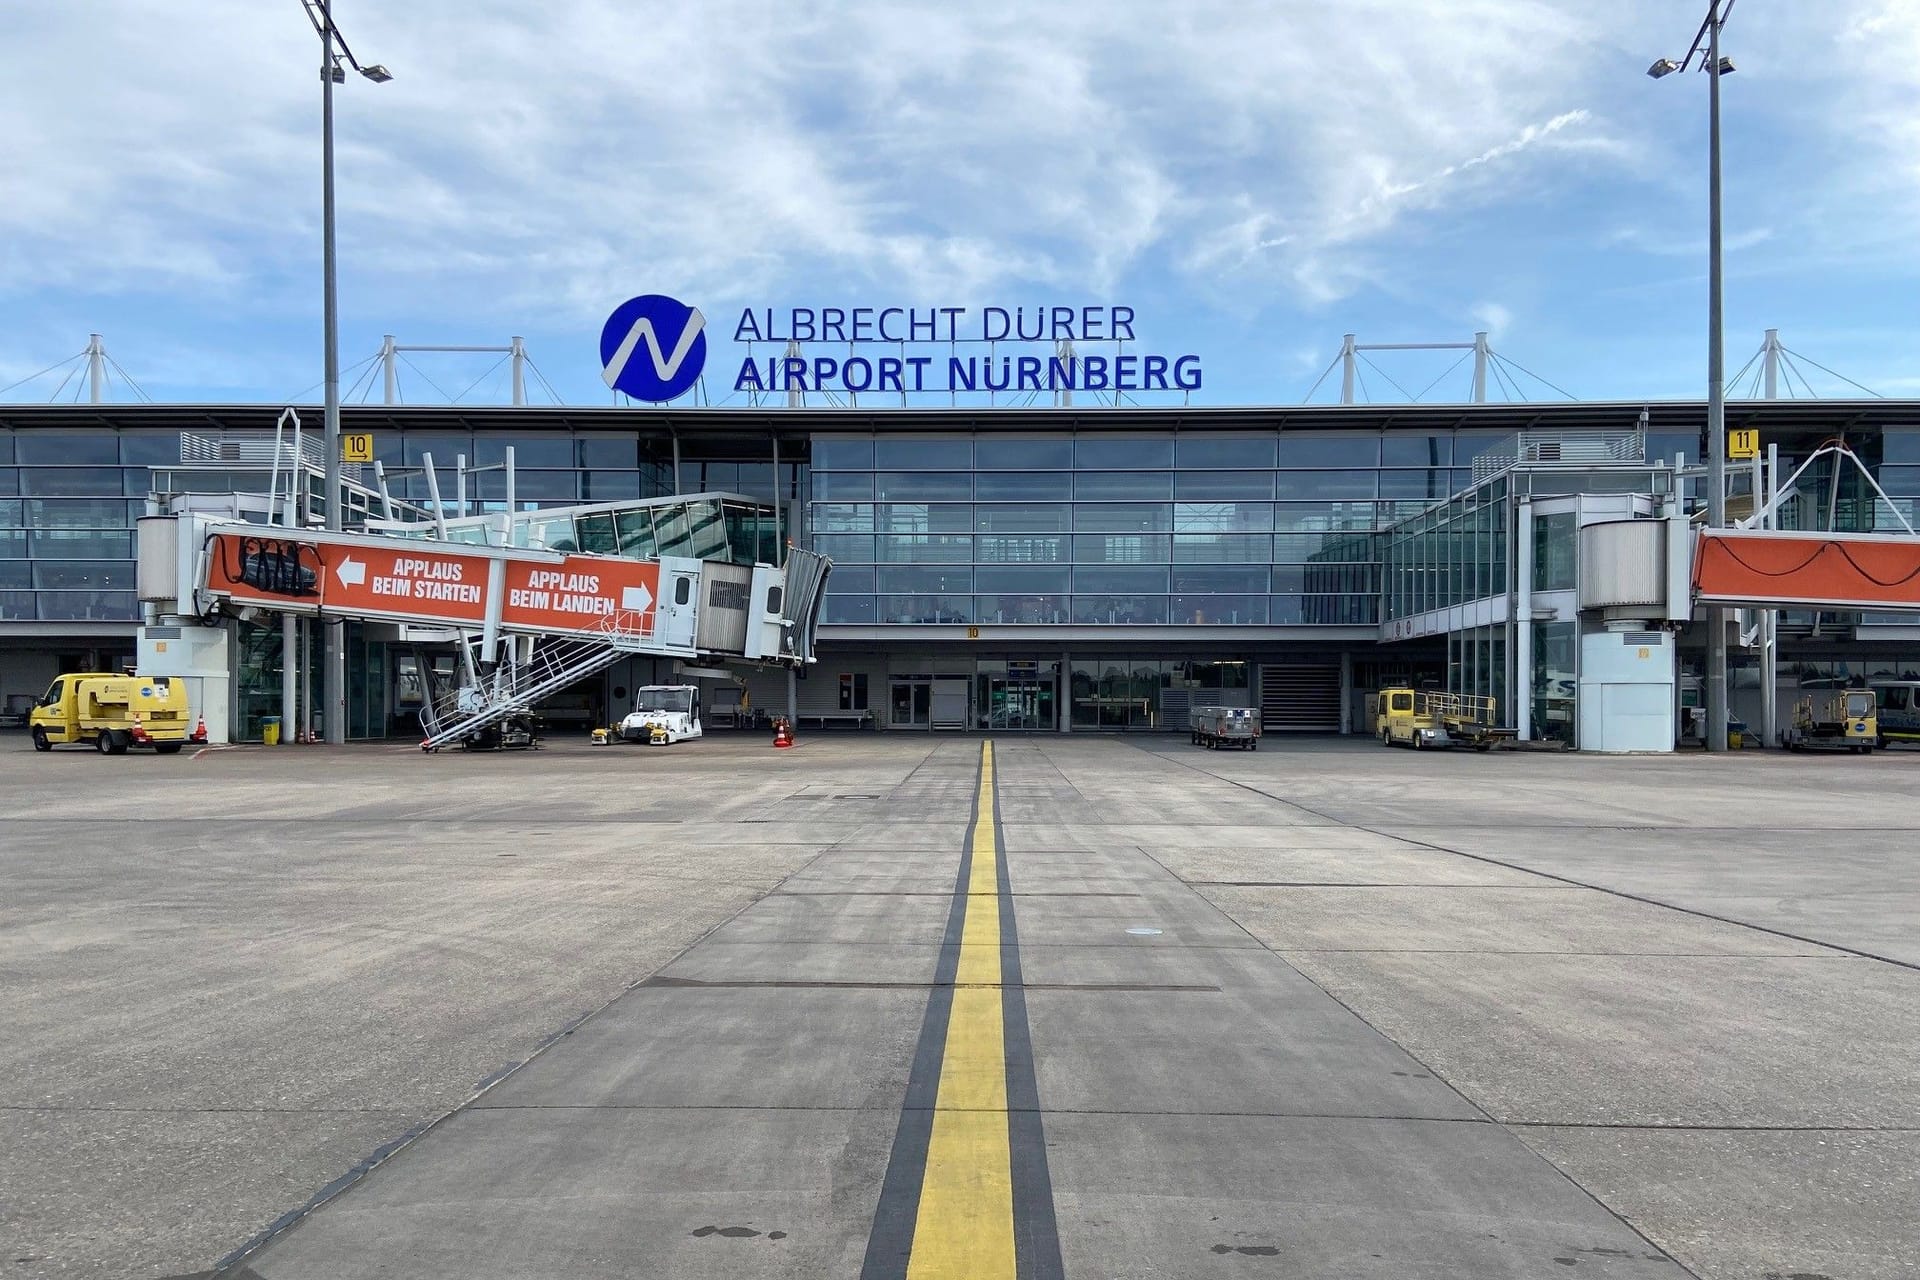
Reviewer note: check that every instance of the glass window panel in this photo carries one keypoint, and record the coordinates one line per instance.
(1432, 484)
(1406, 449)
(16, 606)
(842, 517)
(1554, 549)
(847, 609)
(1123, 548)
(923, 609)
(546, 449)
(1121, 579)
(925, 548)
(1327, 484)
(1023, 486)
(6, 446)
(1031, 609)
(1352, 449)
(922, 517)
(134, 482)
(1223, 484)
(444, 447)
(1124, 517)
(706, 531)
(636, 533)
(842, 453)
(842, 546)
(597, 534)
(70, 448)
(1900, 481)
(922, 486)
(755, 479)
(72, 544)
(1222, 517)
(1238, 452)
(1229, 578)
(1032, 517)
(93, 575)
(922, 453)
(1021, 547)
(9, 480)
(13, 513)
(1897, 444)
(608, 451)
(550, 486)
(1020, 580)
(1003, 453)
(1120, 610)
(842, 485)
(1115, 452)
(1122, 485)
(609, 486)
(150, 448)
(16, 575)
(76, 513)
(1467, 445)
(1244, 548)
(939, 580)
(709, 477)
(86, 606)
(1219, 610)
(13, 544)
(850, 580)
(84, 481)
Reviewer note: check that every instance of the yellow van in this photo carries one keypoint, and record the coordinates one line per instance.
(113, 713)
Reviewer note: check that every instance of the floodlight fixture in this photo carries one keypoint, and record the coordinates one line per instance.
(1664, 67)
(376, 73)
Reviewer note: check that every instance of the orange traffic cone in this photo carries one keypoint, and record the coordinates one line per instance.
(139, 731)
(200, 731)
(782, 733)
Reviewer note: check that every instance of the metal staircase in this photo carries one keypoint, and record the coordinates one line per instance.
(453, 714)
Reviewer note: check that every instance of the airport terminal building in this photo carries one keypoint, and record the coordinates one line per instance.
(1047, 569)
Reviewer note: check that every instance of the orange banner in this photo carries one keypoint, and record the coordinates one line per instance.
(1811, 570)
(409, 582)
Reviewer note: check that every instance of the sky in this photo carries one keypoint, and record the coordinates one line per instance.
(1253, 179)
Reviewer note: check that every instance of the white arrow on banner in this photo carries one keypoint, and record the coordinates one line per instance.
(352, 572)
(636, 599)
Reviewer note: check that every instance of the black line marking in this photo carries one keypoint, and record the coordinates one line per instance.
(890, 1242)
(1036, 1230)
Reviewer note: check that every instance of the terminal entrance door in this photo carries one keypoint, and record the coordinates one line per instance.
(910, 702)
(1019, 699)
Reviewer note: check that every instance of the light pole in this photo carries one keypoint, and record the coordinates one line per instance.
(1715, 66)
(333, 51)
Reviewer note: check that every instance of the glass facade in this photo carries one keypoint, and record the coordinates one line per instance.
(1449, 554)
(1105, 529)
(68, 501)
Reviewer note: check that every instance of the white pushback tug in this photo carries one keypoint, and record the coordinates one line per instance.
(663, 714)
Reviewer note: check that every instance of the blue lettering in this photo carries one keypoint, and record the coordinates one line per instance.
(749, 379)
(833, 324)
(866, 373)
(1123, 324)
(1092, 321)
(994, 332)
(1093, 373)
(1063, 320)
(1060, 374)
(890, 374)
(1186, 373)
(953, 315)
(1156, 375)
(794, 332)
(1126, 373)
(919, 364)
(748, 330)
(795, 371)
(962, 375)
(1006, 373)
(863, 324)
(824, 367)
(887, 334)
(1029, 373)
(1039, 324)
(915, 324)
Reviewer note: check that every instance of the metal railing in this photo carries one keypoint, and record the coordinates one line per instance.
(1579, 447)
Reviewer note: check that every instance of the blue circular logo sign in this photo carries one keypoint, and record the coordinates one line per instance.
(653, 347)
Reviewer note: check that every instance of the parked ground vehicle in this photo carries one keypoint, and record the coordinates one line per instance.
(1215, 727)
(1843, 719)
(1897, 707)
(663, 714)
(112, 713)
(1423, 718)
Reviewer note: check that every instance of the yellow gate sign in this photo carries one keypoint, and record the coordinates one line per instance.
(358, 447)
(1743, 443)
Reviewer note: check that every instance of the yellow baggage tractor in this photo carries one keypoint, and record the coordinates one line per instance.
(1841, 720)
(1428, 718)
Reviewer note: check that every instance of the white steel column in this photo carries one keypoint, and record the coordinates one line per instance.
(1770, 363)
(1480, 350)
(1522, 688)
(517, 349)
(390, 367)
(1347, 369)
(96, 369)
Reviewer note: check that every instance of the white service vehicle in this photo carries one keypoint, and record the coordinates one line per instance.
(664, 714)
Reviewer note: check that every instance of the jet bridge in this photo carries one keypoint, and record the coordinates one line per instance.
(531, 620)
